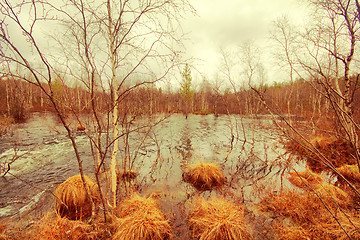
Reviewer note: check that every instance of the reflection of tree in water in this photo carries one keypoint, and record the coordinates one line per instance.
(205, 126)
(185, 147)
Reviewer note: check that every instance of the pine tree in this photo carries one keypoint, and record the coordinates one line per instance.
(185, 90)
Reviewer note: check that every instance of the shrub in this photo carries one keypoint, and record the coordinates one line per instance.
(5, 123)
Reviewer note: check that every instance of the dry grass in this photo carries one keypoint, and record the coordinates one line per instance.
(292, 233)
(337, 151)
(350, 172)
(204, 176)
(53, 227)
(72, 193)
(217, 219)
(140, 218)
(303, 216)
(332, 195)
(125, 175)
(322, 141)
(3, 235)
(305, 178)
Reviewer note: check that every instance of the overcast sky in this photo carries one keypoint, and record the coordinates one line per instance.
(224, 23)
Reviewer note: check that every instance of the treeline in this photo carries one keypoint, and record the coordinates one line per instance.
(19, 98)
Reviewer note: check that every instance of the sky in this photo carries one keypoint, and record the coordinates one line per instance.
(222, 24)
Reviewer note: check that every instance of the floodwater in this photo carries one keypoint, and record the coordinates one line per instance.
(244, 147)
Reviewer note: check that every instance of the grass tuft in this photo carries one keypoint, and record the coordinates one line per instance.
(55, 228)
(81, 127)
(72, 193)
(140, 218)
(204, 176)
(217, 219)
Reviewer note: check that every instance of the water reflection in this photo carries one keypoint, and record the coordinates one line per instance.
(49, 159)
(185, 147)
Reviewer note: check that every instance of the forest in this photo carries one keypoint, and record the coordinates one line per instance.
(22, 98)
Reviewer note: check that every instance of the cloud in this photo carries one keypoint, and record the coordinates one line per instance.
(224, 23)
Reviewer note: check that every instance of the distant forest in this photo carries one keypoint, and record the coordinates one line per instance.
(302, 99)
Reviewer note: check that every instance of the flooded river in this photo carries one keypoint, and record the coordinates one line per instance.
(44, 156)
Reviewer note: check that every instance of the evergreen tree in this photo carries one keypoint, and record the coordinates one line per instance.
(185, 90)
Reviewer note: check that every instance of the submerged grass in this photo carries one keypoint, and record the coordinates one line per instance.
(217, 219)
(140, 218)
(204, 176)
(71, 201)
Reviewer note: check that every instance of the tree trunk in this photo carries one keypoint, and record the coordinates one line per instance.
(8, 97)
(115, 110)
(115, 116)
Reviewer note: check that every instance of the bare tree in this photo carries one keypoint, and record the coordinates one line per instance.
(330, 57)
(286, 40)
(326, 56)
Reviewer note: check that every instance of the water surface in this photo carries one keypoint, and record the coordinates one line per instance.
(243, 146)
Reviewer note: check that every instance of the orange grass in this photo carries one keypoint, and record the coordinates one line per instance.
(140, 218)
(217, 219)
(204, 176)
(332, 195)
(53, 227)
(337, 151)
(305, 178)
(73, 195)
(3, 235)
(350, 172)
(303, 216)
(292, 233)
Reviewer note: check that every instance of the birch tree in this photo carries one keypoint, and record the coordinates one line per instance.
(22, 57)
(142, 47)
(108, 46)
(330, 55)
